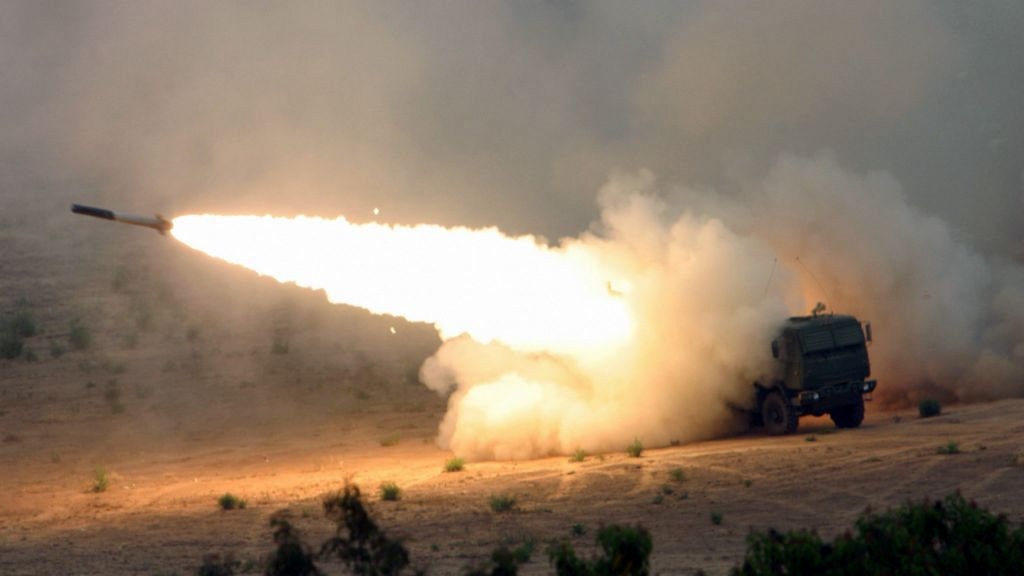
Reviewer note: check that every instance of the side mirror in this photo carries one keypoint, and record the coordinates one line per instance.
(867, 331)
(775, 348)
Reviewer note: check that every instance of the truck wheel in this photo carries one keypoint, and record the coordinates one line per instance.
(779, 417)
(849, 416)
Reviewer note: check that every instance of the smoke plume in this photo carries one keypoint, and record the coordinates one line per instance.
(654, 325)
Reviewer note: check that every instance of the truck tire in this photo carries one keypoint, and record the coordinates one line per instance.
(778, 416)
(849, 416)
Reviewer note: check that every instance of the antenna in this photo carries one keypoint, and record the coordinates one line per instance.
(815, 278)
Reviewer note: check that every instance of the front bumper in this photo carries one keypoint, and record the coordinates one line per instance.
(827, 398)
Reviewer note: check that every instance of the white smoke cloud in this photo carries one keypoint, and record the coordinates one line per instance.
(708, 291)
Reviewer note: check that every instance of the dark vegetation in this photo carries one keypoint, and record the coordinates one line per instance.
(502, 502)
(635, 449)
(231, 502)
(621, 550)
(929, 408)
(15, 328)
(948, 537)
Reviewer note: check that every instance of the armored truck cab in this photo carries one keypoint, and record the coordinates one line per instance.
(823, 369)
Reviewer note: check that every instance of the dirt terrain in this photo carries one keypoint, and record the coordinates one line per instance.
(201, 378)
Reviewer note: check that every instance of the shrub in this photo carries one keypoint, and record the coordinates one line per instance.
(677, 474)
(10, 344)
(454, 465)
(291, 557)
(30, 355)
(100, 482)
(390, 491)
(215, 565)
(357, 541)
(635, 449)
(578, 530)
(929, 408)
(948, 448)
(502, 502)
(579, 455)
(716, 517)
(231, 502)
(56, 350)
(280, 345)
(951, 536)
(505, 561)
(390, 440)
(79, 337)
(23, 325)
(621, 550)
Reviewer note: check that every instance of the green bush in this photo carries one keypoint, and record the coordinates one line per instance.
(390, 491)
(231, 502)
(502, 502)
(716, 517)
(10, 344)
(949, 537)
(291, 557)
(79, 337)
(505, 561)
(390, 440)
(621, 550)
(929, 408)
(677, 474)
(100, 482)
(948, 448)
(357, 541)
(579, 455)
(635, 449)
(23, 324)
(56, 350)
(454, 465)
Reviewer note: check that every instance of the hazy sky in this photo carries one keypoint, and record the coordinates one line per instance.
(512, 113)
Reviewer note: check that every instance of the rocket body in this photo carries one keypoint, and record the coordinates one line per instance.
(157, 222)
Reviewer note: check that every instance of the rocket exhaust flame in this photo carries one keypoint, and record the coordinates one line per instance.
(476, 282)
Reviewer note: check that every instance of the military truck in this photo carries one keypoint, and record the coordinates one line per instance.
(822, 369)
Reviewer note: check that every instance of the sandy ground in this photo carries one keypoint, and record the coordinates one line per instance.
(203, 379)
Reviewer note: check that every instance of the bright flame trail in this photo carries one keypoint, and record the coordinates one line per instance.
(477, 282)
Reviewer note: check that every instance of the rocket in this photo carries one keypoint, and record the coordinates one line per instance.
(157, 222)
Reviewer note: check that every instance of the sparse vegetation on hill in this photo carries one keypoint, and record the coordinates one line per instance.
(502, 502)
(390, 491)
(635, 449)
(622, 550)
(100, 482)
(79, 337)
(677, 474)
(231, 502)
(949, 537)
(929, 408)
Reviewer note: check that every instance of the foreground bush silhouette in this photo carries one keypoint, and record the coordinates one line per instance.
(291, 557)
(623, 550)
(949, 537)
(357, 541)
(505, 561)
